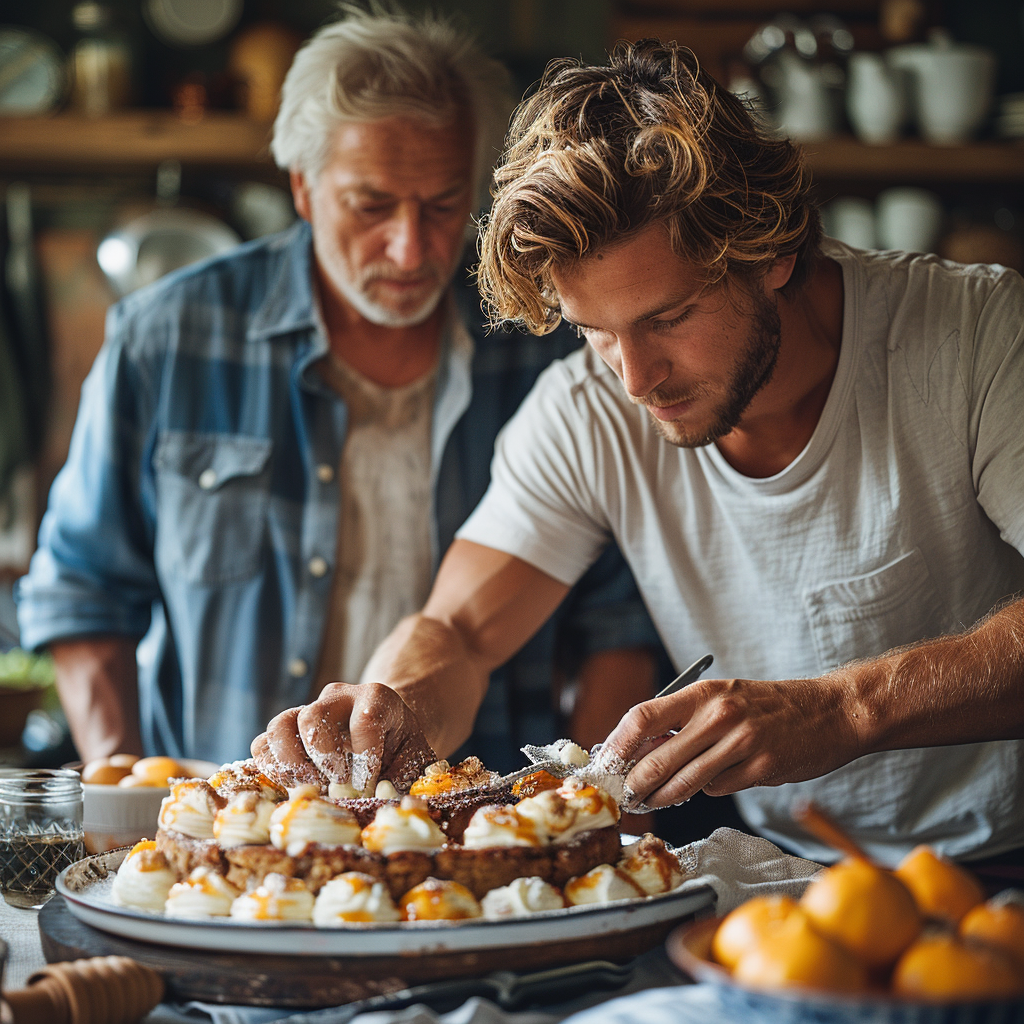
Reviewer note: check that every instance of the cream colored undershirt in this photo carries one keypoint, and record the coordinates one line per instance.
(383, 569)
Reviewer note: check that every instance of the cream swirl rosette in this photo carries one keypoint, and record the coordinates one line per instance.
(144, 878)
(205, 893)
(278, 899)
(305, 819)
(352, 898)
(521, 898)
(407, 827)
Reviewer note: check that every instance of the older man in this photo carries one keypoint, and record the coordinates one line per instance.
(810, 455)
(275, 448)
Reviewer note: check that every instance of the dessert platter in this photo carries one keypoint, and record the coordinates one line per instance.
(521, 871)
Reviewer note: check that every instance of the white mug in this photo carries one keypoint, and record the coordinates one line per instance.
(851, 219)
(951, 85)
(908, 219)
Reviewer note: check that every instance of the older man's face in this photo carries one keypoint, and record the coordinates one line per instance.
(388, 212)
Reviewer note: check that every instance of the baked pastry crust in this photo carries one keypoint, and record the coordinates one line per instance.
(479, 869)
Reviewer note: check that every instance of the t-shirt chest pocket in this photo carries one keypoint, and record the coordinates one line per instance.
(866, 615)
(212, 492)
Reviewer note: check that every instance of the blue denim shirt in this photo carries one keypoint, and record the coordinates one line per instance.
(199, 490)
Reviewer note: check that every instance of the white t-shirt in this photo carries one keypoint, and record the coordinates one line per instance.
(902, 519)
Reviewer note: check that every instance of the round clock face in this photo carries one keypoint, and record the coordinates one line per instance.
(31, 72)
(192, 22)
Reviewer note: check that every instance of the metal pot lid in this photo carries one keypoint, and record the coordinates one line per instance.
(158, 242)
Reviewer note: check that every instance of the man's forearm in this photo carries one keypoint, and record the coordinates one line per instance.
(957, 689)
(429, 665)
(483, 607)
(97, 679)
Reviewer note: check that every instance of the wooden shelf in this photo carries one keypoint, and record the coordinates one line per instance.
(142, 138)
(915, 161)
(135, 138)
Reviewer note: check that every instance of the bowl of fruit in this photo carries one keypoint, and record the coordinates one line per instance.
(918, 944)
(122, 793)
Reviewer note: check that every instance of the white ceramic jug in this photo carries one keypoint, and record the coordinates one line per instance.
(807, 109)
(875, 98)
(951, 85)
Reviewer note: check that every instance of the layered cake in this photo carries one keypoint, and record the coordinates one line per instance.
(457, 845)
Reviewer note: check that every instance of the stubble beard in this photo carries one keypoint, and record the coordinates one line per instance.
(753, 371)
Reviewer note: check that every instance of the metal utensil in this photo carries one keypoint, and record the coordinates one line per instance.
(541, 759)
(509, 990)
(687, 676)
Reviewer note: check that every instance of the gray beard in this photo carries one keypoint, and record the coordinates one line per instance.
(382, 316)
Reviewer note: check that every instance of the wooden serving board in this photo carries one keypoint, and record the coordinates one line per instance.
(309, 981)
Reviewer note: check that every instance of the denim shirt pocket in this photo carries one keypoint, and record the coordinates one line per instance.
(864, 616)
(212, 495)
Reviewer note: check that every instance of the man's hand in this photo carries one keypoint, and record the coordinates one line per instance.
(724, 735)
(353, 734)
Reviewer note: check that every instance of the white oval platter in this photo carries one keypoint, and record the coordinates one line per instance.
(86, 886)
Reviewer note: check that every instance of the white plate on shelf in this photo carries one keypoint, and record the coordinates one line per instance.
(86, 886)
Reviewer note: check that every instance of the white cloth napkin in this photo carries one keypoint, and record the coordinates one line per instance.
(738, 866)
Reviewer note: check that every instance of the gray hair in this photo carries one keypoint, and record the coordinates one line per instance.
(371, 65)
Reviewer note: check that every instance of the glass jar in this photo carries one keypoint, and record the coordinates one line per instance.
(40, 831)
(100, 62)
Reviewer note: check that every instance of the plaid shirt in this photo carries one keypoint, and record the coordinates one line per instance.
(198, 508)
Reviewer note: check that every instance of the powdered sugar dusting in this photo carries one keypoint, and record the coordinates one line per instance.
(605, 769)
(365, 769)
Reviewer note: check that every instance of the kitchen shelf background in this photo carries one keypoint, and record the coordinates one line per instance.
(84, 173)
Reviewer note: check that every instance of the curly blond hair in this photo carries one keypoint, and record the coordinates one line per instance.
(598, 154)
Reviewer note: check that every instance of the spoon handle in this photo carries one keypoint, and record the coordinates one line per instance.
(687, 676)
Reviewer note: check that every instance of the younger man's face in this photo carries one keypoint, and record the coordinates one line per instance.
(694, 357)
(388, 211)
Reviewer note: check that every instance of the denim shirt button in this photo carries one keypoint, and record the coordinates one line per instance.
(207, 478)
(324, 473)
(297, 668)
(317, 566)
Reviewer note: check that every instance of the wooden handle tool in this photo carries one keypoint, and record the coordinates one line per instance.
(98, 990)
(822, 827)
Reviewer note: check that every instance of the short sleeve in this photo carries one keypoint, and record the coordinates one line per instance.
(997, 407)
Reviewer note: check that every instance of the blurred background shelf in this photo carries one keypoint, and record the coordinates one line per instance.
(145, 138)
(912, 160)
(133, 138)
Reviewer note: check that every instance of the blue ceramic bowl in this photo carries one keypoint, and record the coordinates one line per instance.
(689, 948)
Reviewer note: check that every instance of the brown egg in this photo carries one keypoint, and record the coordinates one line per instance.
(101, 772)
(745, 927)
(133, 780)
(155, 771)
(123, 760)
